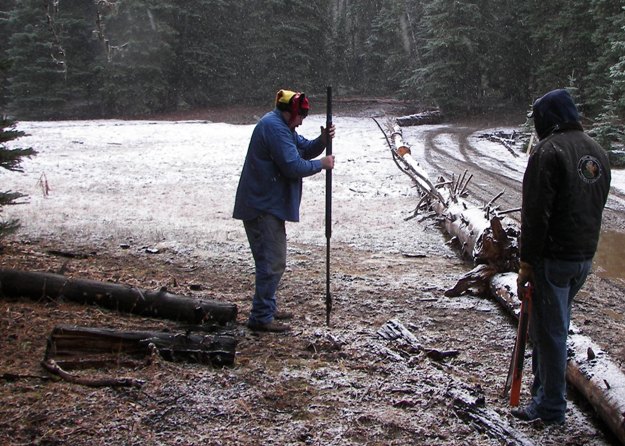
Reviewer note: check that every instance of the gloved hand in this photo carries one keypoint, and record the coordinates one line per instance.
(526, 274)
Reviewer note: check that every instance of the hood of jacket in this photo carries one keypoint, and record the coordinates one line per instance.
(553, 112)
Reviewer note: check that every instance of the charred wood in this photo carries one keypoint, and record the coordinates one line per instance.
(470, 405)
(68, 343)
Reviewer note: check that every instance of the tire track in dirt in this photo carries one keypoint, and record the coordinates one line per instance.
(486, 183)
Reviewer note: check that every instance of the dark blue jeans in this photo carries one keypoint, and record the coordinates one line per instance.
(556, 282)
(267, 237)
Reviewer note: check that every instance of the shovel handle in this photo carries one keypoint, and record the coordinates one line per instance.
(518, 356)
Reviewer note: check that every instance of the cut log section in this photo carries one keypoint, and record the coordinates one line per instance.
(123, 298)
(68, 342)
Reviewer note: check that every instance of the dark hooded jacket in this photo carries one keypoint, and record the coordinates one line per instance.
(565, 186)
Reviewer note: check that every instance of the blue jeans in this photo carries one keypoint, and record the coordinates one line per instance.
(267, 238)
(556, 282)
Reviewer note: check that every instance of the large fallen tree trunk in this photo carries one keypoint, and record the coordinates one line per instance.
(589, 369)
(494, 249)
(67, 343)
(161, 304)
(483, 233)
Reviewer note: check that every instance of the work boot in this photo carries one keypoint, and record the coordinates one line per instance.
(273, 326)
(529, 413)
(283, 315)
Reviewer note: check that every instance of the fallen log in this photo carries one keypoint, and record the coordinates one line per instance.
(482, 233)
(469, 403)
(495, 251)
(123, 298)
(68, 342)
(394, 330)
(594, 375)
(423, 118)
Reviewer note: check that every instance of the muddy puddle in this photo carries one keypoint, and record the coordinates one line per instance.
(609, 261)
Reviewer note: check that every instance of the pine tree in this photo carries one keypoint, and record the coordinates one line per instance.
(10, 159)
(134, 73)
(51, 53)
(287, 51)
(209, 52)
(454, 64)
(388, 49)
(37, 68)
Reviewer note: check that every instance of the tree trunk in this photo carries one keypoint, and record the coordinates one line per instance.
(161, 304)
(481, 234)
(590, 370)
(495, 250)
(70, 342)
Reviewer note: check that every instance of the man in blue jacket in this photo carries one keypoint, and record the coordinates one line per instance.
(270, 192)
(565, 189)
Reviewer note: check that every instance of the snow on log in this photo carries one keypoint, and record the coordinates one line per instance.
(468, 401)
(493, 245)
(590, 370)
(423, 118)
(487, 238)
(161, 303)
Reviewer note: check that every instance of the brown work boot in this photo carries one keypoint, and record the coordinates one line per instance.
(273, 326)
(283, 315)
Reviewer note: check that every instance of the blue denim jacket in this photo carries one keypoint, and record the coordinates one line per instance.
(277, 160)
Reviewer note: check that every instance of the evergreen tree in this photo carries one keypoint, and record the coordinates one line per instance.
(37, 70)
(454, 64)
(10, 159)
(208, 52)
(136, 68)
(508, 60)
(388, 49)
(603, 70)
(562, 46)
(354, 20)
(286, 49)
(609, 126)
(5, 9)
(51, 51)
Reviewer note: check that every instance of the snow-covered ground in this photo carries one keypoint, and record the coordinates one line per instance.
(173, 184)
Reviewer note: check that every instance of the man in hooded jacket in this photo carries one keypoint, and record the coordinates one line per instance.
(269, 193)
(565, 188)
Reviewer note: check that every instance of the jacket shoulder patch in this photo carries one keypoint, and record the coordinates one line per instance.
(589, 169)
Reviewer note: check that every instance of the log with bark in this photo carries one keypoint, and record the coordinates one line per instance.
(483, 233)
(493, 247)
(589, 369)
(123, 298)
(67, 343)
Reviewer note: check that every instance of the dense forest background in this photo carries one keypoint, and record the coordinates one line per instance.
(65, 59)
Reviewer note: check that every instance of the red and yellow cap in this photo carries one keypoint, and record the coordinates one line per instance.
(294, 102)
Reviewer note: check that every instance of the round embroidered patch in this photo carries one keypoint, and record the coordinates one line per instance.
(589, 169)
